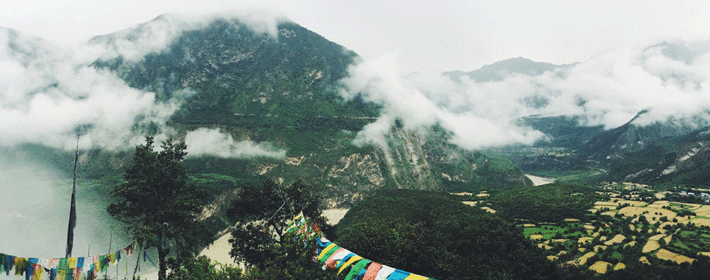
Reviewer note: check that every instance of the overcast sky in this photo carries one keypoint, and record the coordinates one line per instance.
(424, 35)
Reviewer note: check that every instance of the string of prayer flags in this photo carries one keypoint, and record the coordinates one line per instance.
(334, 257)
(61, 268)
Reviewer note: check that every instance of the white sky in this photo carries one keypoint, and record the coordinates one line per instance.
(425, 35)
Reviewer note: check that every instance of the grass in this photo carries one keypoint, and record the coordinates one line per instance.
(679, 244)
(617, 256)
(551, 231)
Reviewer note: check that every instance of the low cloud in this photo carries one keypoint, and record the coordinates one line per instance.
(47, 97)
(213, 142)
(49, 94)
(670, 80)
(422, 101)
(156, 35)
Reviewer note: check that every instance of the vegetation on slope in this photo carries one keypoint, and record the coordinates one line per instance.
(434, 235)
(549, 203)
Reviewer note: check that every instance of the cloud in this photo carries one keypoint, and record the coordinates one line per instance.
(670, 80)
(213, 142)
(156, 35)
(422, 101)
(46, 95)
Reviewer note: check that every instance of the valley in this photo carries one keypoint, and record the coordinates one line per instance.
(571, 163)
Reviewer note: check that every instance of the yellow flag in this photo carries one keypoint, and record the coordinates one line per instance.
(72, 262)
(37, 275)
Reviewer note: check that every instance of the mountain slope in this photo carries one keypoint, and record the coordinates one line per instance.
(283, 89)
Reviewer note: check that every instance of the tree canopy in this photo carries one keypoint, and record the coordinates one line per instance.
(434, 235)
(262, 211)
(154, 199)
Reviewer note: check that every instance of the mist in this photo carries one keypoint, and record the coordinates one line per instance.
(48, 94)
(34, 213)
(670, 80)
(214, 142)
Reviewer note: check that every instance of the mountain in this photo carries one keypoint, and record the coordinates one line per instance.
(681, 159)
(661, 152)
(282, 88)
(615, 144)
(501, 69)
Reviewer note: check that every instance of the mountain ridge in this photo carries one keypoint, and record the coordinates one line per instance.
(284, 90)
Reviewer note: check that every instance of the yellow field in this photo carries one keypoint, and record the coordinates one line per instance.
(705, 253)
(544, 246)
(609, 213)
(631, 244)
(619, 266)
(582, 260)
(668, 239)
(700, 221)
(583, 240)
(558, 240)
(471, 203)
(488, 209)
(600, 266)
(659, 204)
(656, 237)
(644, 260)
(536, 236)
(651, 214)
(661, 195)
(668, 255)
(703, 211)
(650, 246)
(617, 239)
(683, 220)
(462, 193)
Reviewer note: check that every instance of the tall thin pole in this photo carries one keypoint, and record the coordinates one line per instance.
(110, 240)
(72, 209)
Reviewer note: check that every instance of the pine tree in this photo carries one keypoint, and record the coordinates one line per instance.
(155, 200)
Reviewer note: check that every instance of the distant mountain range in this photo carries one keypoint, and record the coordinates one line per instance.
(499, 70)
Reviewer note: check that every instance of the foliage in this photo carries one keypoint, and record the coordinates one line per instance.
(550, 203)
(202, 268)
(155, 201)
(434, 235)
(292, 261)
(262, 211)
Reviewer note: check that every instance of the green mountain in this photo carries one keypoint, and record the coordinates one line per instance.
(283, 89)
(661, 152)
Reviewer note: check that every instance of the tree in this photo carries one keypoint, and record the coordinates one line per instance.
(203, 268)
(433, 235)
(155, 200)
(262, 211)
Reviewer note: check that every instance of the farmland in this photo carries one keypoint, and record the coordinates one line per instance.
(627, 226)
